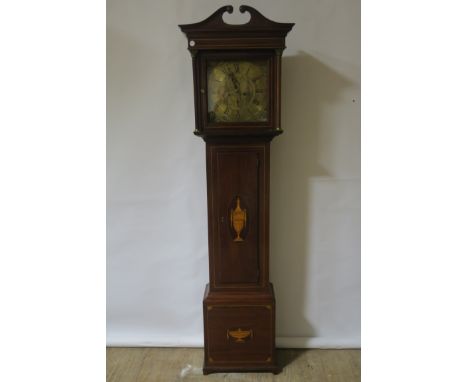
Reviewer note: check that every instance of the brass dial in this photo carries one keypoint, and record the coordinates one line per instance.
(238, 91)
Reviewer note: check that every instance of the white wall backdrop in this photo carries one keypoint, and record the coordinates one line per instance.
(157, 260)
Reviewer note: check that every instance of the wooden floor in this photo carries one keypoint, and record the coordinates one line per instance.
(185, 364)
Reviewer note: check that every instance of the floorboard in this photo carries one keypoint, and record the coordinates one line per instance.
(185, 364)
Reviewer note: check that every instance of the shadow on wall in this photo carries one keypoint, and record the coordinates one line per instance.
(308, 86)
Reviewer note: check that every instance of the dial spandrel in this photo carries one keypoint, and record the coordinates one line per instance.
(238, 91)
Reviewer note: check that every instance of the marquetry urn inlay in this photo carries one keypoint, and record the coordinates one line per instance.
(238, 220)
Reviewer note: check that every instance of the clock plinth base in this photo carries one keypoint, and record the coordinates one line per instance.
(240, 331)
(241, 369)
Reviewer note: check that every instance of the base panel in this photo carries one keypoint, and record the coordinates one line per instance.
(240, 331)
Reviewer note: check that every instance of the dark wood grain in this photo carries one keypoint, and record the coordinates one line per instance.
(236, 176)
(239, 302)
(247, 311)
(238, 169)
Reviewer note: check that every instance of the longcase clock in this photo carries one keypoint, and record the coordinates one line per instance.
(237, 84)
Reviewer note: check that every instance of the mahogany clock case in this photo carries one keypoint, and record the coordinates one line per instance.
(237, 93)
